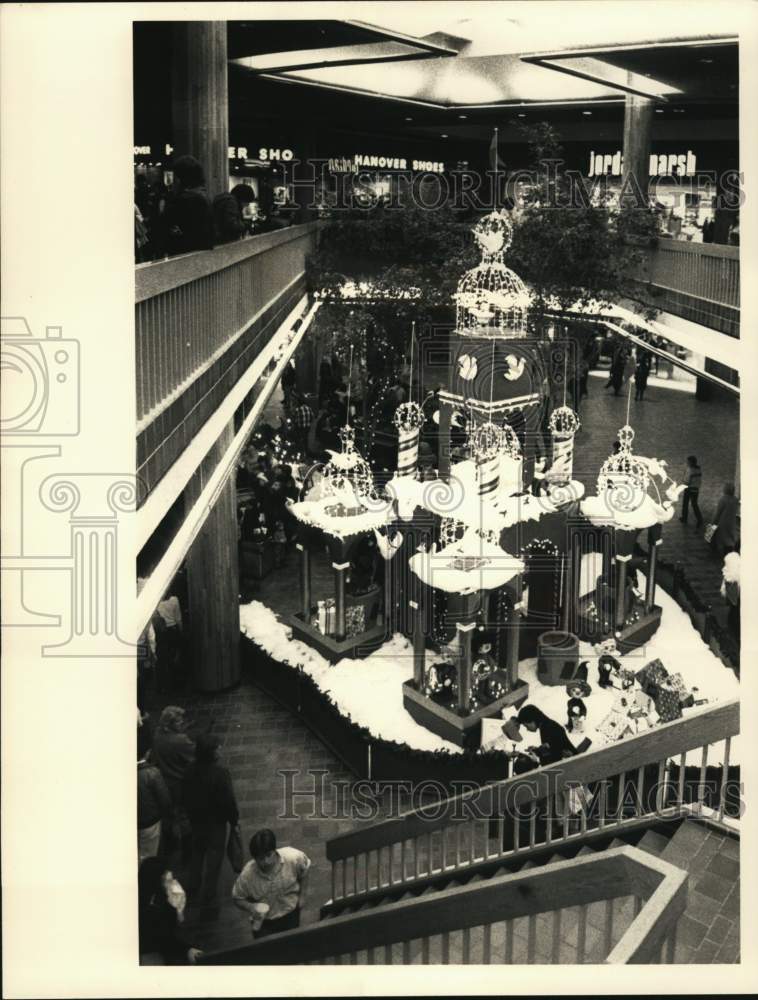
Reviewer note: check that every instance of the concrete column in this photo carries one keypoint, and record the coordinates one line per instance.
(213, 592)
(638, 122)
(305, 582)
(340, 571)
(200, 98)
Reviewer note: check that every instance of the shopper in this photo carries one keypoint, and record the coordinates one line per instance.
(169, 642)
(276, 879)
(730, 590)
(693, 477)
(616, 374)
(725, 537)
(153, 806)
(228, 207)
(211, 806)
(302, 418)
(174, 752)
(161, 941)
(555, 743)
(188, 219)
(641, 373)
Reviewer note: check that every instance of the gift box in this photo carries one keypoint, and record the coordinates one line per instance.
(355, 620)
(642, 705)
(327, 616)
(621, 679)
(651, 676)
(667, 703)
(615, 726)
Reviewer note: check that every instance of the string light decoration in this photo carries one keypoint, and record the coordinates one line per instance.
(624, 479)
(564, 422)
(491, 300)
(409, 417)
(486, 441)
(347, 470)
(511, 443)
(451, 531)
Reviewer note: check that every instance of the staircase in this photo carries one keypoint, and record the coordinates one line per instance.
(645, 871)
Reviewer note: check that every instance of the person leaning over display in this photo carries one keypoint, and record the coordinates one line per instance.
(272, 887)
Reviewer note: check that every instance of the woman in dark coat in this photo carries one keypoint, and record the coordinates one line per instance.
(555, 744)
(725, 537)
(161, 941)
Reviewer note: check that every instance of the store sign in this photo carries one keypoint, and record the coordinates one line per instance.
(661, 164)
(358, 162)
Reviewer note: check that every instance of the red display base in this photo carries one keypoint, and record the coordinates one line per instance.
(463, 730)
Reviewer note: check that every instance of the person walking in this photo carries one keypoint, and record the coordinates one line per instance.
(272, 887)
(725, 536)
(211, 806)
(174, 752)
(168, 625)
(693, 477)
(161, 916)
(730, 590)
(616, 375)
(641, 374)
(153, 806)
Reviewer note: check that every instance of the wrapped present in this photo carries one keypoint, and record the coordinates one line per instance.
(620, 678)
(327, 616)
(651, 675)
(677, 681)
(667, 703)
(615, 726)
(355, 620)
(642, 705)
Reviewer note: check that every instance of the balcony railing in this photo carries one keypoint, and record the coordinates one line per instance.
(201, 319)
(697, 281)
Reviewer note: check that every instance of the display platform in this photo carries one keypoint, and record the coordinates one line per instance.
(463, 730)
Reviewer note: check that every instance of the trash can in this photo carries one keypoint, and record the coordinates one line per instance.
(557, 657)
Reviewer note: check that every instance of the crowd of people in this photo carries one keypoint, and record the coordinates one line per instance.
(183, 217)
(187, 826)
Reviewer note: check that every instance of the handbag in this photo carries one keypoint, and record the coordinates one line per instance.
(710, 531)
(234, 850)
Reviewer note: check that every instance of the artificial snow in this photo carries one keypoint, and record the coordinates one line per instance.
(466, 566)
(600, 512)
(369, 691)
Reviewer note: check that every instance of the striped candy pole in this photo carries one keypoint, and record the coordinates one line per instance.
(407, 452)
(488, 474)
(562, 468)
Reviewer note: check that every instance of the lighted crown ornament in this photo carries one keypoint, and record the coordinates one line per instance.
(624, 478)
(347, 475)
(491, 300)
(563, 425)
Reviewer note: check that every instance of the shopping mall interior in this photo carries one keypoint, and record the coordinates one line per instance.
(438, 393)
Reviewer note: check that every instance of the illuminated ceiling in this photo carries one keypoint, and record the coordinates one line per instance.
(499, 54)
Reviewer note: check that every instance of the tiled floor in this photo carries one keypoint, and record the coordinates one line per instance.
(668, 425)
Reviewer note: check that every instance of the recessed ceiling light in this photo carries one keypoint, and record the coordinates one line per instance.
(659, 111)
(443, 135)
(588, 113)
(463, 116)
(521, 115)
(409, 119)
(706, 62)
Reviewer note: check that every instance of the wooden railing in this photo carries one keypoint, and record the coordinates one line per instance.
(476, 922)
(631, 781)
(698, 281)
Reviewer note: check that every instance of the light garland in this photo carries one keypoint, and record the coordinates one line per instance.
(563, 422)
(486, 441)
(624, 479)
(348, 470)
(409, 417)
(491, 300)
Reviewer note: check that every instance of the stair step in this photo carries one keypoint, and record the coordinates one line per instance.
(585, 850)
(686, 842)
(653, 843)
(527, 865)
(555, 858)
(617, 842)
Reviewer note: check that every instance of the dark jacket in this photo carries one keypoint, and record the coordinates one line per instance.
(227, 218)
(173, 753)
(153, 798)
(555, 742)
(188, 222)
(160, 931)
(208, 795)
